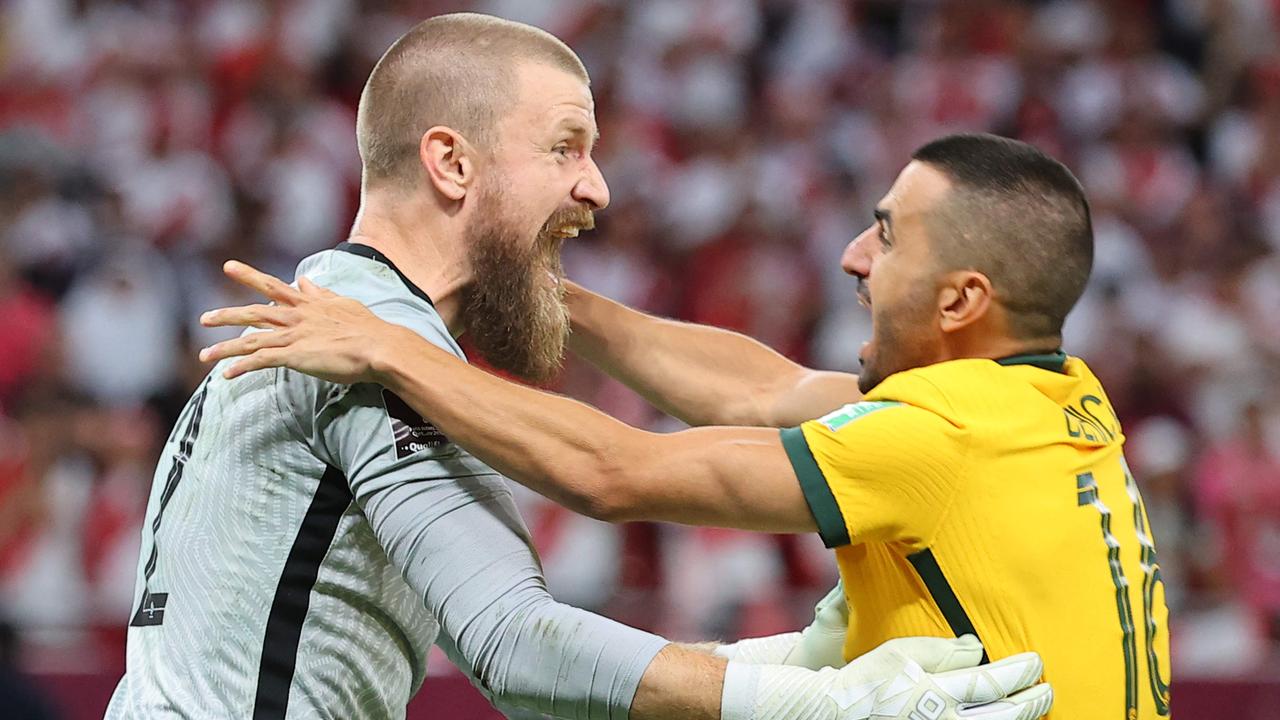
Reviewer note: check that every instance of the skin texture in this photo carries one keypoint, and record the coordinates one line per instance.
(700, 374)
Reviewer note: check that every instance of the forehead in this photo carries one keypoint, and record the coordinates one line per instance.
(546, 96)
(918, 188)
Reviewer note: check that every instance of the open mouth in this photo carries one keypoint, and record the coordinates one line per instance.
(864, 294)
(565, 233)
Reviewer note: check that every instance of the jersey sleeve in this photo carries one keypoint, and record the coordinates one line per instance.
(462, 545)
(876, 472)
(449, 524)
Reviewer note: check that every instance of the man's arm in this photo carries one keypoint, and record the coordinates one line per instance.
(596, 465)
(558, 447)
(700, 374)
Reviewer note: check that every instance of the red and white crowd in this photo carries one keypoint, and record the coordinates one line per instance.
(142, 142)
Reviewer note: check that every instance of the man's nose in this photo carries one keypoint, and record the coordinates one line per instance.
(592, 188)
(857, 256)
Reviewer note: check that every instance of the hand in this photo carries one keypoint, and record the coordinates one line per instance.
(819, 645)
(940, 679)
(308, 329)
(822, 643)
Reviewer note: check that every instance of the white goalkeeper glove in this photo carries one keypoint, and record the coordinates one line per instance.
(817, 646)
(907, 678)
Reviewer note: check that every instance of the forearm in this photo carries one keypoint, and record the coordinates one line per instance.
(681, 682)
(558, 660)
(460, 544)
(590, 462)
(533, 437)
(697, 373)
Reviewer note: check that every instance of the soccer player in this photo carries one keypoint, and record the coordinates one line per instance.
(306, 543)
(978, 486)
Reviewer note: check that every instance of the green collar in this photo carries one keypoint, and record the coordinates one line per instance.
(1055, 361)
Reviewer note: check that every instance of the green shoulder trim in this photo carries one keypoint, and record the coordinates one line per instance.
(1055, 361)
(822, 502)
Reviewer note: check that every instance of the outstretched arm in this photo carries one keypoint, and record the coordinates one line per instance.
(700, 374)
(570, 452)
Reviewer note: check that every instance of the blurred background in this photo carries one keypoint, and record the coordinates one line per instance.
(142, 142)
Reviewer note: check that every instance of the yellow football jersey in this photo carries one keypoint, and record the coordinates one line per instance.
(992, 497)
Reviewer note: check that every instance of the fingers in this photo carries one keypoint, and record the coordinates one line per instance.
(259, 360)
(987, 683)
(1029, 704)
(311, 289)
(243, 345)
(834, 605)
(939, 655)
(268, 285)
(258, 316)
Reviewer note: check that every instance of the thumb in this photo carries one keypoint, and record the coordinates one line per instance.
(937, 655)
(832, 611)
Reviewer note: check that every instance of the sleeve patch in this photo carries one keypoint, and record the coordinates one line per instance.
(847, 414)
(412, 432)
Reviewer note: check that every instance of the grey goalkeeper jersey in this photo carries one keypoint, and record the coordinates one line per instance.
(306, 543)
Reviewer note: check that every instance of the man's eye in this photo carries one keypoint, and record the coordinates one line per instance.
(563, 150)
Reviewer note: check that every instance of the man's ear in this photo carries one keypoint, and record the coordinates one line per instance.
(965, 298)
(449, 161)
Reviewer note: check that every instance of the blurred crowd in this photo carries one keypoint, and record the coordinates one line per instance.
(142, 142)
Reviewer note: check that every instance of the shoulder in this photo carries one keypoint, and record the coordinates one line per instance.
(932, 388)
(379, 288)
(874, 428)
(953, 390)
(910, 413)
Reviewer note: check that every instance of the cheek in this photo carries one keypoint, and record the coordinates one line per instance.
(885, 282)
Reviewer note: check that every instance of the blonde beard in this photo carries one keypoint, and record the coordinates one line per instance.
(515, 317)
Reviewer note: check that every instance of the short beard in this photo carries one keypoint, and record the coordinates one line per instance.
(517, 321)
(899, 344)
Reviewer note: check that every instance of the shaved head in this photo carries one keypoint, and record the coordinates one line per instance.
(1019, 217)
(456, 71)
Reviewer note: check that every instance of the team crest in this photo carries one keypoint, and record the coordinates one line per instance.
(412, 432)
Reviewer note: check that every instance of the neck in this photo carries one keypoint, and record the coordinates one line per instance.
(423, 242)
(994, 348)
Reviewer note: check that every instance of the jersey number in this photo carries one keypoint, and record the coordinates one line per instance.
(1087, 494)
(152, 605)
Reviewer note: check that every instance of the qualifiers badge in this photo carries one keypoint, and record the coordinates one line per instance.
(412, 432)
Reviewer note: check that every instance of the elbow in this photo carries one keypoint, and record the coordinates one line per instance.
(608, 502)
(606, 489)
(517, 684)
(609, 509)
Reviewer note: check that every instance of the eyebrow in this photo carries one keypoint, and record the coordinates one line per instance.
(577, 128)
